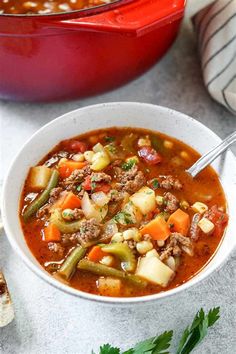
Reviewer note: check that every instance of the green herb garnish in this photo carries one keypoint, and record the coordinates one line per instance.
(155, 183)
(79, 187)
(198, 330)
(109, 139)
(191, 337)
(111, 148)
(126, 166)
(93, 185)
(123, 216)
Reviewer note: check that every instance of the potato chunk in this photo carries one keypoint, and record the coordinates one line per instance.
(144, 200)
(109, 286)
(199, 207)
(206, 226)
(154, 271)
(39, 177)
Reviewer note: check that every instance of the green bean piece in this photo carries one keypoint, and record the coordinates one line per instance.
(101, 269)
(64, 226)
(68, 267)
(124, 253)
(42, 198)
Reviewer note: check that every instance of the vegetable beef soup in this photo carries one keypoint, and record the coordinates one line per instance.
(47, 7)
(113, 212)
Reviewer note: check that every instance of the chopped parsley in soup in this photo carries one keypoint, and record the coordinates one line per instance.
(113, 212)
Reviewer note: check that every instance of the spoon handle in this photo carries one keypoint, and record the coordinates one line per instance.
(207, 159)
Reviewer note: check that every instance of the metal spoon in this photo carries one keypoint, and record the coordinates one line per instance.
(210, 156)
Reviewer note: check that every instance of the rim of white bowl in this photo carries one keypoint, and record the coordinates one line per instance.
(147, 299)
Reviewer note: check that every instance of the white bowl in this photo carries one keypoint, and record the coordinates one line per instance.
(129, 114)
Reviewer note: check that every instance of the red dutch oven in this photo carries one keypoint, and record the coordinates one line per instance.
(81, 53)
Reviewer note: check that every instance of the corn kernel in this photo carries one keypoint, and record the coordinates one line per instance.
(206, 226)
(144, 246)
(184, 155)
(159, 200)
(134, 159)
(118, 237)
(132, 234)
(199, 207)
(184, 204)
(93, 139)
(88, 155)
(78, 157)
(176, 161)
(107, 260)
(144, 142)
(160, 243)
(168, 144)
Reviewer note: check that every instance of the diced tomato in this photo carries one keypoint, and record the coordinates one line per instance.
(98, 187)
(102, 187)
(74, 145)
(218, 218)
(150, 155)
(87, 185)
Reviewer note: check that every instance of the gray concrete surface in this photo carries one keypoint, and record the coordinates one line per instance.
(48, 321)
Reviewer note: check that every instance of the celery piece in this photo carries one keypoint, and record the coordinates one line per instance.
(103, 270)
(42, 198)
(124, 253)
(64, 226)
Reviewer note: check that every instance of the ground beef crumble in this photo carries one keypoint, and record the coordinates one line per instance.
(194, 228)
(55, 194)
(90, 230)
(169, 182)
(70, 239)
(171, 202)
(130, 181)
(76, 177)
(174, 247)
(100, 177)
(57, 248)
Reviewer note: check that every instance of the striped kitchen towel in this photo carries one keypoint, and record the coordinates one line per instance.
(216, 31)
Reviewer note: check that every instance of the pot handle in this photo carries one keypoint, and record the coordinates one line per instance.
(135, 18)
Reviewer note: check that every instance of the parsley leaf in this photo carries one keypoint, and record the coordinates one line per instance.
(155, 183)
(154, 345)
(126, 166)
(198, 330)
(122, 216)
(213, 316)
(162, 342)
(108, 349)
(93, 185)
(191, 337)
(79, 187)
(109, 139)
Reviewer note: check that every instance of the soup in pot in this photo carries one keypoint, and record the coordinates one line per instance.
(48, 6)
